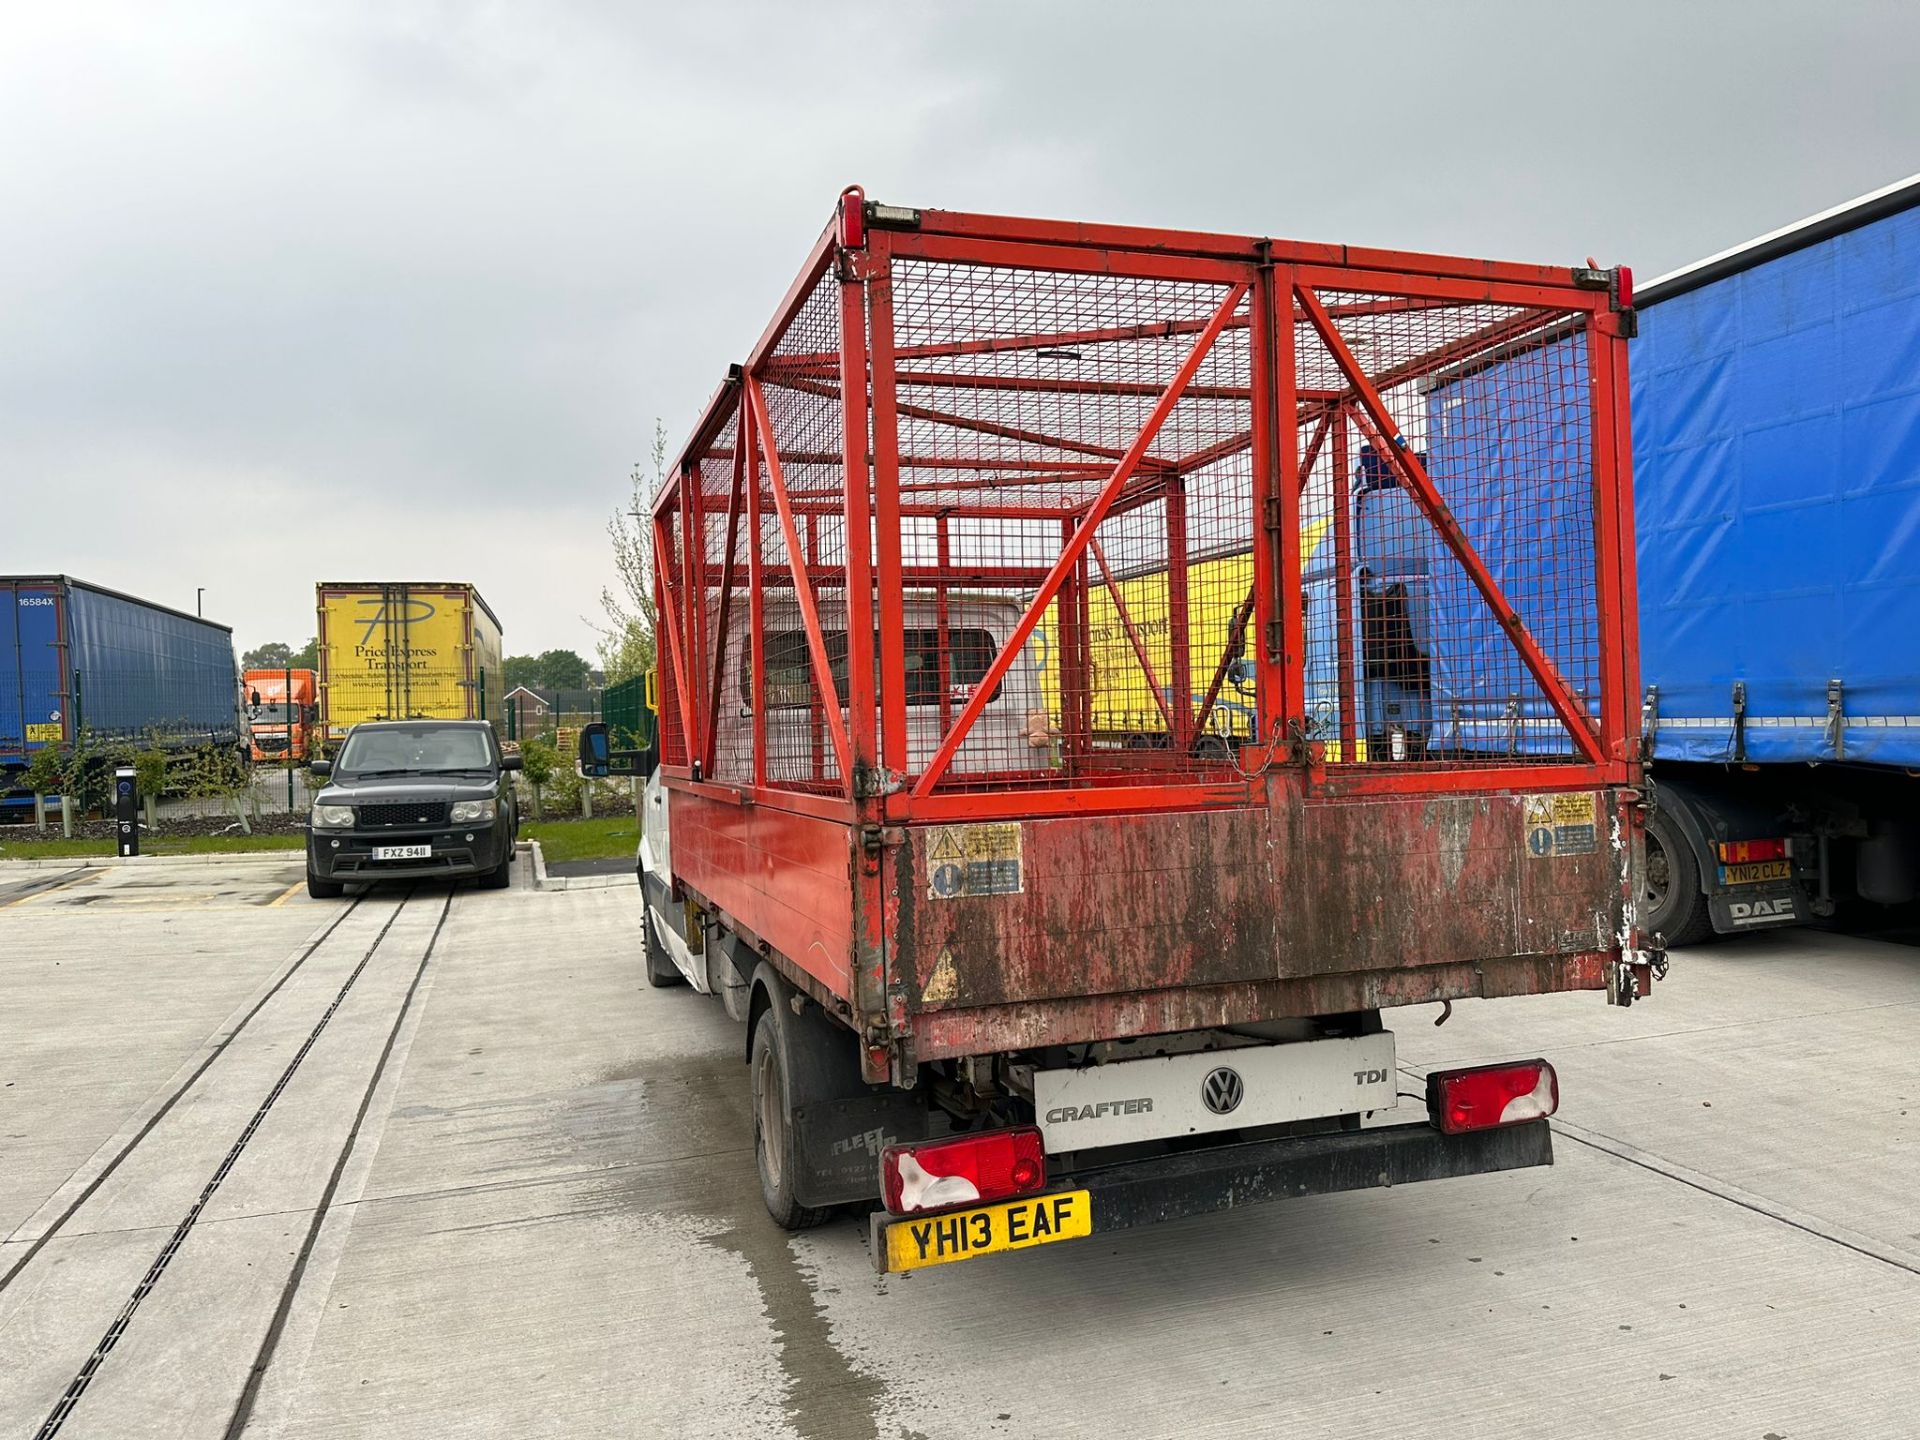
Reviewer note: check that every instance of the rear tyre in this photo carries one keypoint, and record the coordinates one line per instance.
(775, 1147)
(324, 889)
(661, 971)
(1670, 886)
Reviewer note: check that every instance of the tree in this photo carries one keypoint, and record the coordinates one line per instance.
(46, 774)
(549, 670)
(626, 639)
(562, 670)
(274, 655)
(518, 670)
(538, 762)
(278, 655)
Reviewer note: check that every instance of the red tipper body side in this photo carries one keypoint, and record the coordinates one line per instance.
(1074, 632)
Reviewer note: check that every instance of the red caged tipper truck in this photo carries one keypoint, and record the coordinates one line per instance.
(1023, 971)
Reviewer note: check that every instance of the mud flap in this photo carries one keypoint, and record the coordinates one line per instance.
(725, 977)
(1757, 909)
(840, 1123)
(841, 1141)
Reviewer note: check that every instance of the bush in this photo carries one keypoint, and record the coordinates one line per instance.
(46, 773)
(562, 793)
(563, 788)
(214, 773)
(539, 759)
(150, 773)
(81, 773)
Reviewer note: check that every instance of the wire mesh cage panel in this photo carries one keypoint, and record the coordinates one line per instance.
(670, 591)
(1458, 492)
(1011, 506)
(800, 468)
(1024, 395)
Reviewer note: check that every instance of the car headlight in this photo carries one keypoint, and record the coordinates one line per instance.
(470, 812)
(332, 817)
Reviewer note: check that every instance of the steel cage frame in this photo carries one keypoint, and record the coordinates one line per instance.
(878, 383)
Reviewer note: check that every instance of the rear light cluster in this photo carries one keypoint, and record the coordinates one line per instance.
(1489, 1096)
(1740, 852)
(853, 218)
(968, 1169)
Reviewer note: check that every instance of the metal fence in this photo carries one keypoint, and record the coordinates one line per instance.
(45, 706)
(526, 712)
(59, 728)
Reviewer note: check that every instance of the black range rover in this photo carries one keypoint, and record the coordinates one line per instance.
(413, 799)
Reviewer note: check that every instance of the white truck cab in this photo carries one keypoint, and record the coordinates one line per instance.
(1012, 733)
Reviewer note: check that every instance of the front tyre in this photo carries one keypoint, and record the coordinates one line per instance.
(775, 1148)
(324, 889)
(501, 876)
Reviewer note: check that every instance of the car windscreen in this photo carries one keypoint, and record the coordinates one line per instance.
(416, 748)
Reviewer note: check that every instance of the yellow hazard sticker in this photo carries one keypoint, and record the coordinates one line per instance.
(44, 732)
(943, 986)
(965, 860)
(1565, 824)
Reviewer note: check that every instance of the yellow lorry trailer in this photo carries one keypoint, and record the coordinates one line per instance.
(1127, 626)
(400, 650)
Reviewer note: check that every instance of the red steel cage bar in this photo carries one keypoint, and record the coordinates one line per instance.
(1007, 519)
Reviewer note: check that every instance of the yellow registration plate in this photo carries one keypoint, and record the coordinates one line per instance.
(963, 1234)
(1755, 872)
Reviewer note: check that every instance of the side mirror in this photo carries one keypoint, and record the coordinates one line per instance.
(320, 769)
(511, 762)
(595, 751)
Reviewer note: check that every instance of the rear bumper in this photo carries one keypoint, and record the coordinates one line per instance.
(1199, 1182)
(1202, 1181)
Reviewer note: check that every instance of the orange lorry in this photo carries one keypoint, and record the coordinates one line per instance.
(280, 712)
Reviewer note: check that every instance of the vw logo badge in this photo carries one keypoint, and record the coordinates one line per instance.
(1222, 1090)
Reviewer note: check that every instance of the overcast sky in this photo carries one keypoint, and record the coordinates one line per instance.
(395, 290)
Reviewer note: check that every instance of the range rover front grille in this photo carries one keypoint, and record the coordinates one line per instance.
(419, 812)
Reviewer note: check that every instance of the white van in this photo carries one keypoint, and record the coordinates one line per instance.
(1012, 733)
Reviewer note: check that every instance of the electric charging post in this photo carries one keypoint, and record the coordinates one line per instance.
(126, 810)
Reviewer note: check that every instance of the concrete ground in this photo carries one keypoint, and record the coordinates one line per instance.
(439, 1164)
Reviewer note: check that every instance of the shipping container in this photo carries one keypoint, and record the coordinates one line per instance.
(405, 650)
(955, 575)
(1776, 425)
(78, 658)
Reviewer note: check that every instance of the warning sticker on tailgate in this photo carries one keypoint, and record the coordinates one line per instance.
(967, 860)
(1562, 824)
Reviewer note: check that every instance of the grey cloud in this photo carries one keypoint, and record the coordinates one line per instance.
(287, 284)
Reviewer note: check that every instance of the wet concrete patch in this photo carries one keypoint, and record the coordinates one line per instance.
(703, 1102)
